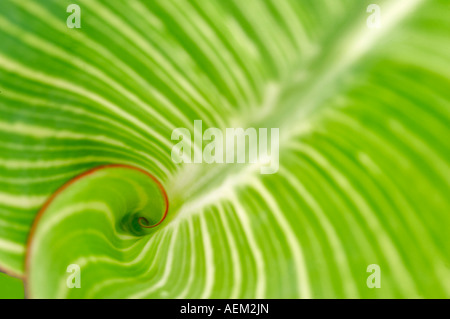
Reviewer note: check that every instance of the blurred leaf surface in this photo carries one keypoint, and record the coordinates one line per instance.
(364, 120)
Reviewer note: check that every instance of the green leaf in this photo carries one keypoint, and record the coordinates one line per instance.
(364, 172)
(11, 288)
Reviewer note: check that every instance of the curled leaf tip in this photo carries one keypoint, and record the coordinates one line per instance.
(105, 202)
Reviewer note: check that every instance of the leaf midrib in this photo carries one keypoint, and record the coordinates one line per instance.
(191, 189)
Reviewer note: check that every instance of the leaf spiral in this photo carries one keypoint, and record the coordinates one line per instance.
(103, 209)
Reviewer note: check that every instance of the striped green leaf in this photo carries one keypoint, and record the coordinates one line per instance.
(364, 176)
